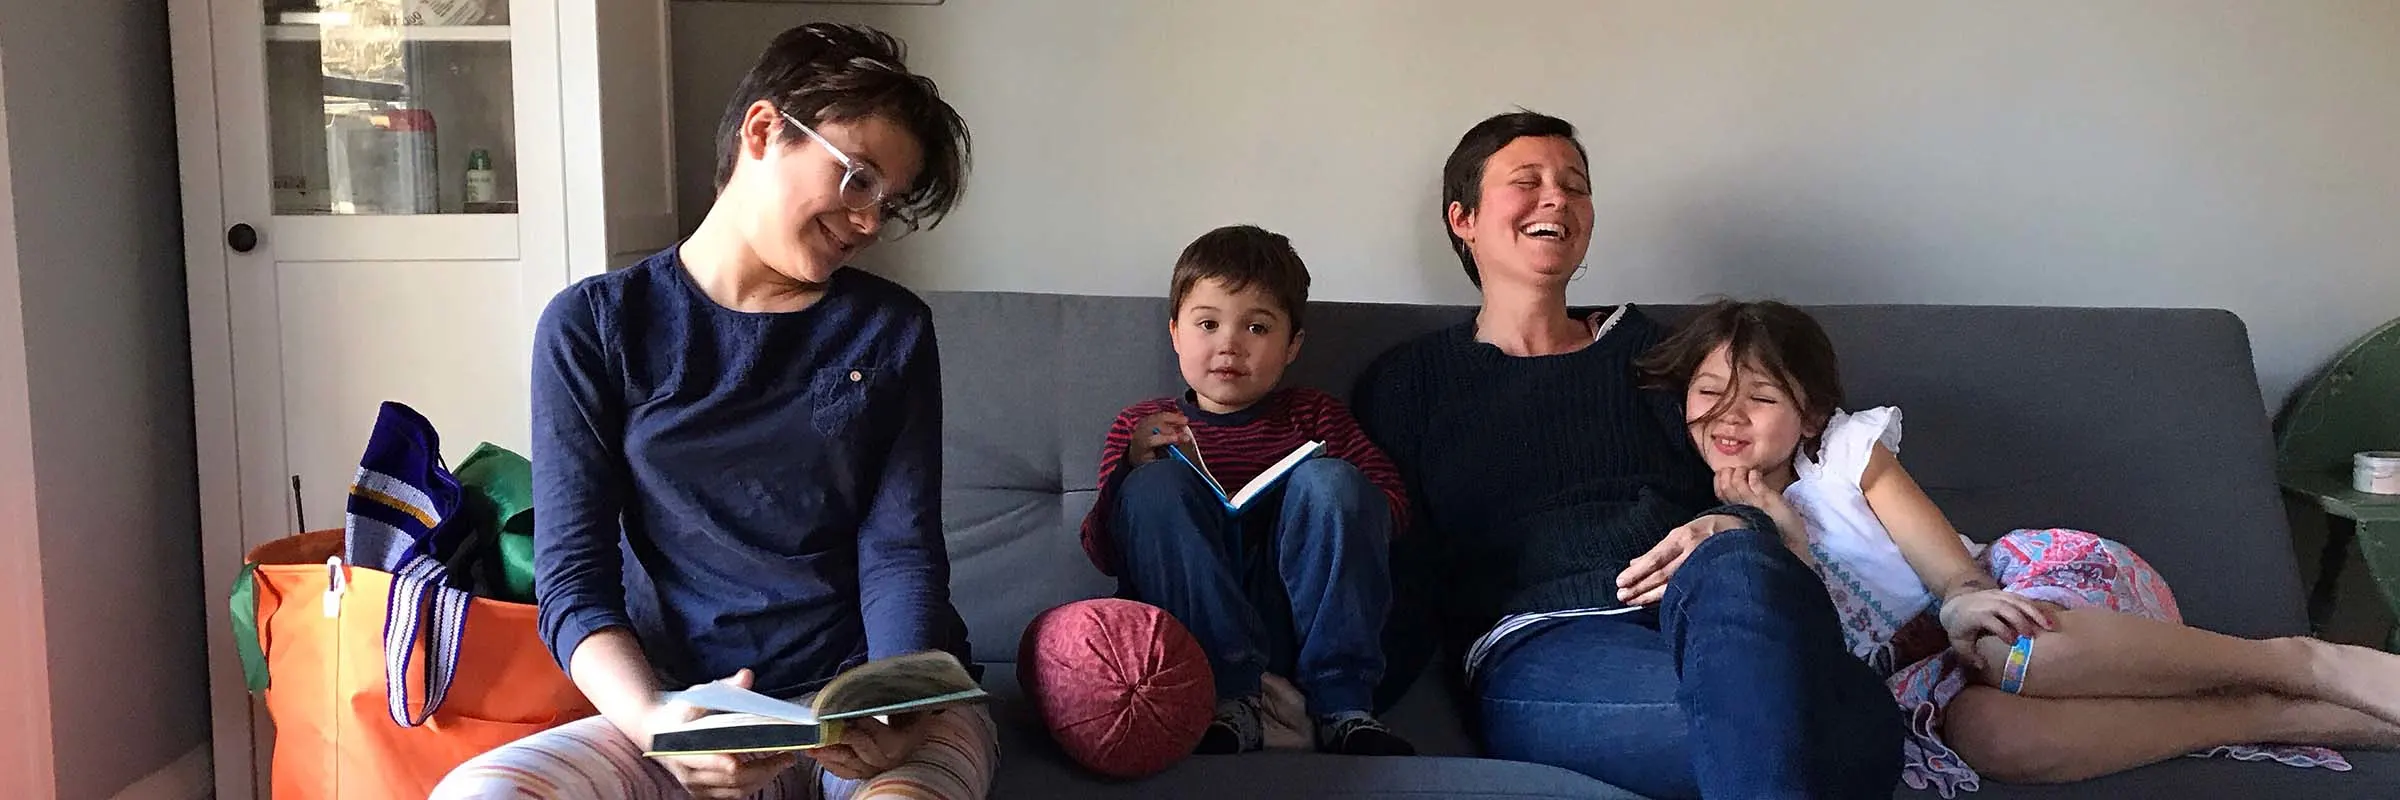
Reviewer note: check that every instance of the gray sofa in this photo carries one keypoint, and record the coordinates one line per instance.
(2145, 425)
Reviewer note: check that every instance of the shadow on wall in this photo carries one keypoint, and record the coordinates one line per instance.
(1435, 266)
(1766, 233)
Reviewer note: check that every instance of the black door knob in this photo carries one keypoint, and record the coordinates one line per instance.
(241, 237)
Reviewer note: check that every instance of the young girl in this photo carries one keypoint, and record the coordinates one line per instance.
(737, 454)
(2065, 656)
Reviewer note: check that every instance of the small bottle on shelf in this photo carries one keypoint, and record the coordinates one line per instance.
(483, 188)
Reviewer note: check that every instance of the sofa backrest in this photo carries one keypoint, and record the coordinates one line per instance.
(2144, 425)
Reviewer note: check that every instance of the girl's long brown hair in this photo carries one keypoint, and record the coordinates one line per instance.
(1784, 342)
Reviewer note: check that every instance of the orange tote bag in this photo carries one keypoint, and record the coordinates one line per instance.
(313, 640)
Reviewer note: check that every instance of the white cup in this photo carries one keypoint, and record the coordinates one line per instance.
(2376, 472)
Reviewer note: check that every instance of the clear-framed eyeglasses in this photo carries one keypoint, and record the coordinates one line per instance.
(863, 187)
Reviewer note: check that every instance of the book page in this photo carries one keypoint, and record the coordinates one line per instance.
(727, 697)
(900, 683)
(731, 719)
(1266, 480)
(1190, 456)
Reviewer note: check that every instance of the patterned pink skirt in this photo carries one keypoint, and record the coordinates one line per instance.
(2074, 570)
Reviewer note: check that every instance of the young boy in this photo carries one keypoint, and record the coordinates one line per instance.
(1300, 579)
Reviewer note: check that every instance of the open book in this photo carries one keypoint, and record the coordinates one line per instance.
(1239, 500)
(749, 722)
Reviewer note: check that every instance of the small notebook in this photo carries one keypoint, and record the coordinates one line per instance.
(1239, 500)
(749, 722)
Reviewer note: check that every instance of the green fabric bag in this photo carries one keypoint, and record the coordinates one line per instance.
(245, 629)
(498, 508)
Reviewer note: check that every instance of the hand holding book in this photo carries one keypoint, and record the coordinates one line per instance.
(1239, 500)
(1152, 433)
(750, 722)
(869, 748)
(712, 774)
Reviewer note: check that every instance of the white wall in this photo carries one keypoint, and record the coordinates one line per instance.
(2216, 153)
(91, 156)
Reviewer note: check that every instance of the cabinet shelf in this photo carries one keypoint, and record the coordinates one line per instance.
(408, 33)
(395, 237)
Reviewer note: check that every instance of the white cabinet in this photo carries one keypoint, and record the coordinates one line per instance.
(379, 198)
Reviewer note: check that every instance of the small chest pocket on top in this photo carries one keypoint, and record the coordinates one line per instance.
(839, 396)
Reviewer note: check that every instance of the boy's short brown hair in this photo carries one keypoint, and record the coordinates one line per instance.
(1242, 256)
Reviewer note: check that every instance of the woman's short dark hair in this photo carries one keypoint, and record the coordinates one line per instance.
(824, 72)
(1462, 175)
(1784, 341)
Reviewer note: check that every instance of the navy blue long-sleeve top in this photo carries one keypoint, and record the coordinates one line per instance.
(739, 489)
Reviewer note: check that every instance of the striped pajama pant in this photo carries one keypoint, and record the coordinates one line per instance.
(590, 758)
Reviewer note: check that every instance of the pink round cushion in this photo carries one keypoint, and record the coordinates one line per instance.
(1121, 685)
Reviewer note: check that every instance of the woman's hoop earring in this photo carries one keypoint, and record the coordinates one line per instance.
(1579, 268)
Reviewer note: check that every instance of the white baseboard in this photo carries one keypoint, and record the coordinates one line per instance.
(191, 777)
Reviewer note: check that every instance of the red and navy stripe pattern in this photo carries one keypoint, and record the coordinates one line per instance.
(1239, 446)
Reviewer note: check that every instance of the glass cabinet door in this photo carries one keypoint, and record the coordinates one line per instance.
(382, 107)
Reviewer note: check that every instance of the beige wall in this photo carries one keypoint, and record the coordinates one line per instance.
(91, 156)
(2222, 153)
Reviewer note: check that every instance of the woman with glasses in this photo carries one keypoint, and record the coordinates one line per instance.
(737, 455)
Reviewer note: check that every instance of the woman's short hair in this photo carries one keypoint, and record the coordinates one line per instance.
(825, 72)
(1462, 175)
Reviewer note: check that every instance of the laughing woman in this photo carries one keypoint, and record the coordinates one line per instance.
(1616, 620)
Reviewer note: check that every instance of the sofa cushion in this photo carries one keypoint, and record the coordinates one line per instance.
(1033, 766)
(2376, 776)
(2143, 425)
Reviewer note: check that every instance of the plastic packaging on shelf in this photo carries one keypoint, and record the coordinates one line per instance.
(383, 162)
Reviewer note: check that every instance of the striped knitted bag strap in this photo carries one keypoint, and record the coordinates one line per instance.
(422, 602)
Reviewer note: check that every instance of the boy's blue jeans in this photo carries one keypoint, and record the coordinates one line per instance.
(1300, 584)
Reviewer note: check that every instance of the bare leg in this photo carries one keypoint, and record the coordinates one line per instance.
(2096, 653)
(2043, 740)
